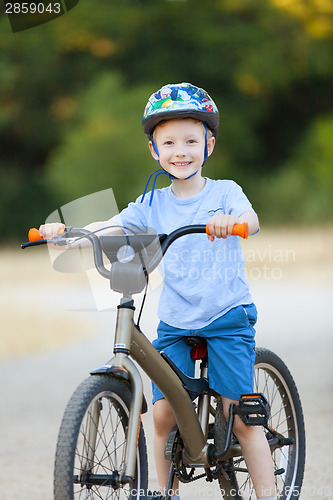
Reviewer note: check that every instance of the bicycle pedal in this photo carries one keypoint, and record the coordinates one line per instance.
(253, 409)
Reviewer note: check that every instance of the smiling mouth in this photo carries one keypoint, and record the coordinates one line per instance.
(181, 164)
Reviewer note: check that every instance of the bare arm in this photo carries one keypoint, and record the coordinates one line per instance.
(220, 225)
(252, 219)
(106, 228)
(48, 231)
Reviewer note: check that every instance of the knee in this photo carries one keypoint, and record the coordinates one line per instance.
(246, 433)
(164, 418)
(241, 429)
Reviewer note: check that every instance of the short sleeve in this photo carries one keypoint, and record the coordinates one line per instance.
(236, 202)
(135, 214)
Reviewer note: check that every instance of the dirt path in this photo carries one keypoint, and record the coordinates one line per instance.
(43, 360)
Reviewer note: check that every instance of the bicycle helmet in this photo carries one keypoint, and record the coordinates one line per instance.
(181, 100)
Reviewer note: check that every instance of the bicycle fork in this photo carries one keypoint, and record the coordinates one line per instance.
(90, 442)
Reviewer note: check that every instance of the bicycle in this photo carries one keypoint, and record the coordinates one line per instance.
(101, 449)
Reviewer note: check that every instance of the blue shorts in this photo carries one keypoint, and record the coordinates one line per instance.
(231, 355)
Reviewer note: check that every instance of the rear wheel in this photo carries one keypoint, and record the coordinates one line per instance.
(274, 380)
(92, 441)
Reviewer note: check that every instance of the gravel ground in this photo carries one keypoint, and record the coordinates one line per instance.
(295, 322)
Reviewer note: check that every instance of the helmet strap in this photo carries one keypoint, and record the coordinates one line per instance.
(155, 148)
(206, 145)
(157, 173)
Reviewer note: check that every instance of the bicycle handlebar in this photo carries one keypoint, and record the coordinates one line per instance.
(237, 230)
(65, 235)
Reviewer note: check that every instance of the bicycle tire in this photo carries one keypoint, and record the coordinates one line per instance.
(99, 405)
(227, 480)
(274, 380)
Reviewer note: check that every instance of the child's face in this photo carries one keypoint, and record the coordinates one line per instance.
(181, 146)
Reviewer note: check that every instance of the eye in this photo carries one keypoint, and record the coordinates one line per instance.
(192, 141)
(167, 143)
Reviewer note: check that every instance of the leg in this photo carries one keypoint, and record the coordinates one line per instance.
(256, 453)
(164, 421)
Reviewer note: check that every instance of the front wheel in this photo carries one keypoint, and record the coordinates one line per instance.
(273, 379)
(92, 441)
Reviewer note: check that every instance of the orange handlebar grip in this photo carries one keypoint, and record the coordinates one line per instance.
(238, 230)
(33, 235)
(241, 230)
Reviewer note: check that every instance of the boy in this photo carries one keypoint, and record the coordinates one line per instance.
(205, 291)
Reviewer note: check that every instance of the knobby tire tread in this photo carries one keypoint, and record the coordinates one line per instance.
(70, 428)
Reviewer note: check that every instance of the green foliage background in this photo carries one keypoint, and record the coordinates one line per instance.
(72, 93)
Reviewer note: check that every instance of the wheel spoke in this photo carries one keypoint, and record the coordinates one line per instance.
(273, 379)
(109, 447)
(98, 455)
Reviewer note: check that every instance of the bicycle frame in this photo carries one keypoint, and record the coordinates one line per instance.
(129, 340)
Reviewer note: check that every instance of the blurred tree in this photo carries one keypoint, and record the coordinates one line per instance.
(302, 190)
(266, 63)
(316, 15)
(106, 148)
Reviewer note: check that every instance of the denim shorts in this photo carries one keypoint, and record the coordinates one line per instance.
(231, 355)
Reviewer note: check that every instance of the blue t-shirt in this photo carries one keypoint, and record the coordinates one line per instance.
(202, 279)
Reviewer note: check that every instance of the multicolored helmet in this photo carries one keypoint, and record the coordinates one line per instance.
(181, 100)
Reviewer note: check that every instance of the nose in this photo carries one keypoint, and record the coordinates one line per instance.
(180, 150)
